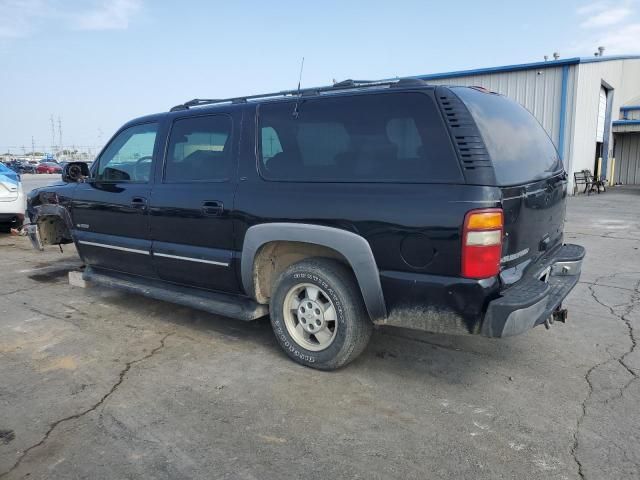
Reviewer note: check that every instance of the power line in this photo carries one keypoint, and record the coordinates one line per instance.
(53, 134)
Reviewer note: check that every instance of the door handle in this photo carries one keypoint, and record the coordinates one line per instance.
(212, 207)
(139, 202)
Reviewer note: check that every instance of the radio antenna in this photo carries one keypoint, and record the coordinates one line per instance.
(295, 110)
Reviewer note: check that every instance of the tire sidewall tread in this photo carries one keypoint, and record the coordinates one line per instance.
(354, 326)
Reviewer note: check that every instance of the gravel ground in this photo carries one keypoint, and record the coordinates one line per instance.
(101, 384)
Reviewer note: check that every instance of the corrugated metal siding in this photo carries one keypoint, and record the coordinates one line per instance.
(538, 90)
(633, 115)
(626, 128)
(572, 98)
(627, 170)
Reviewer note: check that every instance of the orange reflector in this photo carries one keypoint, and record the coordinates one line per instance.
(484, 220)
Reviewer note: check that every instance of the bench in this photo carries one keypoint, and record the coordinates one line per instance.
(586, 178)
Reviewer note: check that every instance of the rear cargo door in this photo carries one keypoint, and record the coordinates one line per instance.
(534, 219)
(528, 171)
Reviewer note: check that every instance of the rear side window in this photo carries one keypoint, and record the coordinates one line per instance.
(199, 149)
(520, 149)
(396, 137)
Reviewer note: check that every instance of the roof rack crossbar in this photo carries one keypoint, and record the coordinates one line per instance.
(343, 85)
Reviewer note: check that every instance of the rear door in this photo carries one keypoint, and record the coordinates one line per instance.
(192, 203)
(534, 219)
(109, 211)
(528, 171)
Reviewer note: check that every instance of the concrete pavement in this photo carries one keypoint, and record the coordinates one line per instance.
(31, 180)
(101, 384)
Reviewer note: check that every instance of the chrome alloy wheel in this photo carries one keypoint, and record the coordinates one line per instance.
(310, 317)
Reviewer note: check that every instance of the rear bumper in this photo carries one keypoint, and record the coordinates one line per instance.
(12, 211)
(532, 301)
(12, 218)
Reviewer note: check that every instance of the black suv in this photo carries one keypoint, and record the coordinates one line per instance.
(331, 209)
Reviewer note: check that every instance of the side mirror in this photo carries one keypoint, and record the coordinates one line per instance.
(75, 172)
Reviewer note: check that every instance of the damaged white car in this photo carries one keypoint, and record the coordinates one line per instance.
(12, 200)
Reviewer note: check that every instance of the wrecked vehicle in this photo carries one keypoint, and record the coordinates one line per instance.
(332, 209)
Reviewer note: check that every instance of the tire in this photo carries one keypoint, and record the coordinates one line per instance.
(343, 331)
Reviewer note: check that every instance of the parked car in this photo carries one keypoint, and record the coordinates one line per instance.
(48, 167)
(21, 166)
(12, 199)
(332, 209)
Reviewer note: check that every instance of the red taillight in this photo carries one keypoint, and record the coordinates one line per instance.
(482, 243)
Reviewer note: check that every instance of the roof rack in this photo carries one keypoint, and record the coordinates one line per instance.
(343, 85)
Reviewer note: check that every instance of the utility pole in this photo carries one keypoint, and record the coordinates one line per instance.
(60, 131)
(33, 146)
(53, 135)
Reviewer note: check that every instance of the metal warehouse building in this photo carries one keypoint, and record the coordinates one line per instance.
(589, 106)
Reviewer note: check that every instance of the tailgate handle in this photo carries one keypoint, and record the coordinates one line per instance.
(212, 207)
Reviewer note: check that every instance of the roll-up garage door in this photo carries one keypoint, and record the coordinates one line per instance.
(602, 113)
(627, 170)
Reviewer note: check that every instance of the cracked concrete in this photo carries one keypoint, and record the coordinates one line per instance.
(101, 384)
(76, 416)
(615, 373)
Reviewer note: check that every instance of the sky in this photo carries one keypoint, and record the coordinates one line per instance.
(96, 64)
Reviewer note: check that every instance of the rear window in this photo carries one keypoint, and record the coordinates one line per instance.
(363, 138)
(199, 149)
(520, 149)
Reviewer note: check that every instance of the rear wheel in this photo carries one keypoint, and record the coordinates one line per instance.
(318, 314)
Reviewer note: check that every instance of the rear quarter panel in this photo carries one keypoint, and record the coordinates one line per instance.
(410, 227)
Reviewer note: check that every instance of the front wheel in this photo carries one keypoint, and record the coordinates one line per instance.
(318, 314)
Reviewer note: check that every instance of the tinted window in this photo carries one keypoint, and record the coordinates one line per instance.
(199, 149)
(520, 149)
(128, 157)
(381, 137)
(270, 143)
